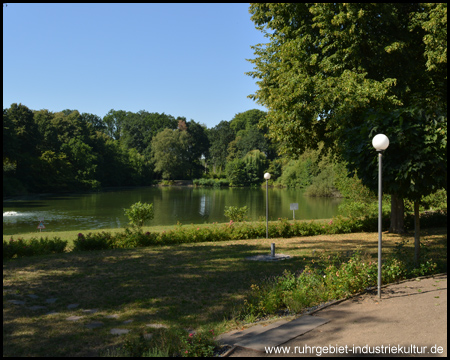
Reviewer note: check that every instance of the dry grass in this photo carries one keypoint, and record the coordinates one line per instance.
(192, 286)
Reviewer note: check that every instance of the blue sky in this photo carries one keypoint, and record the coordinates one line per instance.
(181, 59)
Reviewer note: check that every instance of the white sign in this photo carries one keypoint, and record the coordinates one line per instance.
(294, 206)
(41, 225)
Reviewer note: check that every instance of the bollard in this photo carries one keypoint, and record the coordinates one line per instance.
(272, 249)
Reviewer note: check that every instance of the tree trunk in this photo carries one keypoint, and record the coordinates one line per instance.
(397, 215)
(416, 233)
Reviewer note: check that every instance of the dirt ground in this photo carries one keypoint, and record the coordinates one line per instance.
(409, 320)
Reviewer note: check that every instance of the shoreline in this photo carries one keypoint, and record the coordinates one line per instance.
(155, 228)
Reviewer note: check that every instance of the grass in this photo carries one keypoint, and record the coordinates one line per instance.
(71, 235)
(190, 286)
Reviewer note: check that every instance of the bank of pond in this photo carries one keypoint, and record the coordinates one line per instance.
(171, 204)
(136, 237)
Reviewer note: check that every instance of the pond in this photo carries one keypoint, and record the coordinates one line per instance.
(188, 205)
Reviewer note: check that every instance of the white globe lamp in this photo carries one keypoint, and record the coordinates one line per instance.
(380, 142)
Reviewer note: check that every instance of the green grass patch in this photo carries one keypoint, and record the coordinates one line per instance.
(197, 287)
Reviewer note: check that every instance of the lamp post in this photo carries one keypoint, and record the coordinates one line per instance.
(267, 177)
(380, 142)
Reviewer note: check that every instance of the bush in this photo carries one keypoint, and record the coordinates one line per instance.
(435, 201)
(328, 279)
(199, 344)
(34, 246)
(236, 214)
(170, 342)
(216, 183)
(296, 174)
(428, 219)
(100, 241)
(139, 213)
(323, 184)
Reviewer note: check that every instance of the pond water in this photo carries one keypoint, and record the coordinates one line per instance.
(188, 205)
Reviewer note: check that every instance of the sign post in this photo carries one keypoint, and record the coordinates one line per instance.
(294, 206)
(41, 225)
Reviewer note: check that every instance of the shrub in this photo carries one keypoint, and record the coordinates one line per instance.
(199, 344)
(99, 241)
(34, 246)
(296, 174)
(236, 214)
(216, 183)
(330, 278)
(139, 213)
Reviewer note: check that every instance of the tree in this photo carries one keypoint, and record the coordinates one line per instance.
(247, 171)
(138, 129)
(22, 149)
(114, 120)
(83, 161)
(414, 164)
(44, 120)
(95, 121)
(327, 65)
(198, 148)
(247, 119)
(169, 153)
(219, 137)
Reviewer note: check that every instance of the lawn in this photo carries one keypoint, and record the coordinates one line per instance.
(190, 286)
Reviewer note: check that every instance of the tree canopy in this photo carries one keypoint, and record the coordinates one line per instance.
(338, 73)
(326, 64)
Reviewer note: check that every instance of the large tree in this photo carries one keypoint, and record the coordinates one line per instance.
(328, 66)
(22, 141)
(219, 137)
(169, 153)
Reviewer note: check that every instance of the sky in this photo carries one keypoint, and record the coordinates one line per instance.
(179, 59)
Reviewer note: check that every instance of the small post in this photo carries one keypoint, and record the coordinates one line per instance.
(294, 206)
(272, 249)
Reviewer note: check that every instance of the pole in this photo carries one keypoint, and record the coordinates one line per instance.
(380, 213)
(267, 209)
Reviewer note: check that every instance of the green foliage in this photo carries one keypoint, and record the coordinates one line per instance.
(235, 171)
(331, 61)
(169, 147)
(296, 174)
(173, 342)
(435, 201)
(215, 183)
(235, 213)
(330, 74)
(255, 164)
(282, 228)
(139, 213)
(100, 241)
(219, 137)
(323, 184)
(428, 219)
(247, 171)
(247, 120)
(415, 163)
(199, 344)
(20, 247)
(328, 278)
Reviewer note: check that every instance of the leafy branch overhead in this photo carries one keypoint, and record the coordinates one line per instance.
(338, 73)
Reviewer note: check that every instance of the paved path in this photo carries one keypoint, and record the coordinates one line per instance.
(409, 320)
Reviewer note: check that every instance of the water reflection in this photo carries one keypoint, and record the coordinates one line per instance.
(171, 205)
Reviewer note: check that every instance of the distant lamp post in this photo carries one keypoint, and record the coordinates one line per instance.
(380, 142)
(267, 177)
